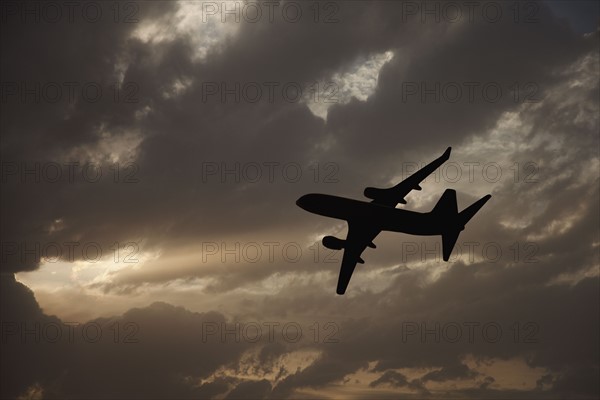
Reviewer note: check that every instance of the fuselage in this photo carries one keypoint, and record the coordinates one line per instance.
(383, 217)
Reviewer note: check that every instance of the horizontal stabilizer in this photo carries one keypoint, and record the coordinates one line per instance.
(469, 212)
(446, 209)
(448, 242)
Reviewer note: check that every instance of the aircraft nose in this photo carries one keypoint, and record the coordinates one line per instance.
(302, 202)
(311, 202)
(307, 202)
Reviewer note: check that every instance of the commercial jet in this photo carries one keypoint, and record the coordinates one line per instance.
(367, 219)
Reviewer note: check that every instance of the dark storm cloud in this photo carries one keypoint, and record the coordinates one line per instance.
(391, 377)
(163, 353)
(251, 390)
(23, 366)
(172, 208)
(477, 54)
(179, 134)
(582, 16)
(450, 372)
(396, 379)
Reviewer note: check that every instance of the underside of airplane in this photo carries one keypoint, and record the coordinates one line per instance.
(367, 219)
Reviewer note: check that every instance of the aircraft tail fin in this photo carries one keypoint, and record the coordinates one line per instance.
(446, 205)
(455, 222)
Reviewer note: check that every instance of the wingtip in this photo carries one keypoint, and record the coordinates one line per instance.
(446, 154)
(480, 203)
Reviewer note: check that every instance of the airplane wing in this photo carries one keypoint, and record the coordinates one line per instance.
(359, 237)
(392, 196)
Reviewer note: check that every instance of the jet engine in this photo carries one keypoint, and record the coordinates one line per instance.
(333, 243)
(382, 194)
(374, 193)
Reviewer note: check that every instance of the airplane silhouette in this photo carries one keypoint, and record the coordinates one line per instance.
(367, 220)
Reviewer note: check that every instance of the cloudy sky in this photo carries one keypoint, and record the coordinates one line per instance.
(152, 153)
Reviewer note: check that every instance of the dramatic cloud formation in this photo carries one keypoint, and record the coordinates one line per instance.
(152, 154)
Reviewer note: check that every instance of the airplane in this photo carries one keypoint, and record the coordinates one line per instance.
(366, 220)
